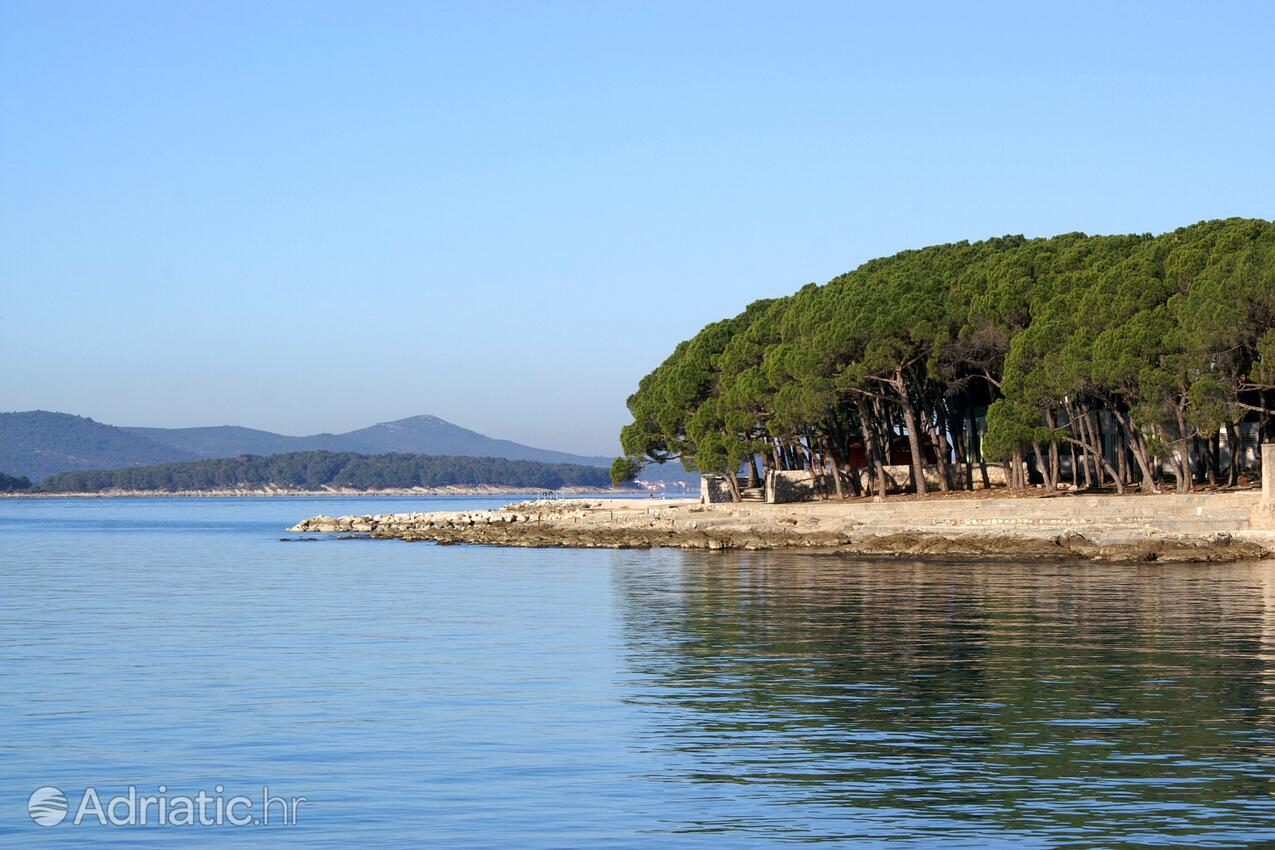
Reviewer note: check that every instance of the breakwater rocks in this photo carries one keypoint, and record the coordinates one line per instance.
(1161, 531)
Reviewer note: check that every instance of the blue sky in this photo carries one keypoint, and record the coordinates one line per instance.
(313, 216)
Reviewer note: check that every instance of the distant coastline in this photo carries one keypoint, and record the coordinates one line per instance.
(276, 492)
(41, 443)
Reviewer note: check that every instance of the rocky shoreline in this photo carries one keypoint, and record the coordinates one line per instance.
(815, 527)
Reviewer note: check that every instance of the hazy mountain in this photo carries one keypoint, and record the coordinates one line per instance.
(231, 440)
(38, 443)
(433, 436)
(424, 435)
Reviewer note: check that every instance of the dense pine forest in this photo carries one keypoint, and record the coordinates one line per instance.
(1098, 361)
(317, 470)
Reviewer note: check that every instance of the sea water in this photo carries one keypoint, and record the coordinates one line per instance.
(418, 695)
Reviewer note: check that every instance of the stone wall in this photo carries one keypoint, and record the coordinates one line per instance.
(796, 485)
(713, 489)
(1264, 513)
(789, 486)
(1268, 480)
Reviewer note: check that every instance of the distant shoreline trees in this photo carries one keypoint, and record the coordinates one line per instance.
(318, 470)
(1108, 359)
(13, 483)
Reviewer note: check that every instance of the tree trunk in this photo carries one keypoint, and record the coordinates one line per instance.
(1103, 464)
(1093, 424)
(1015, 474)
(971, 436)
(1182, 466)
(1138, 444)
(816, 478)
(1054, 465)
(1040, 462)
(885, 434)
(982, 464)
(1095, 441)
(732, 481)
(871, 451)
(914, 437)
(836, 469)
(945, 447)
(945, 472)
(1084, 458)
(1082, 435)
(940, 445)
(1122, 452)
(1182, 451)
(1214, 452)
(955, 425)
(1092, 445)
(1233, 445)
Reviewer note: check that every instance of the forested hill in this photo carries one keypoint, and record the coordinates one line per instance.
(318, 470)
(1108, 359)
(39, 443)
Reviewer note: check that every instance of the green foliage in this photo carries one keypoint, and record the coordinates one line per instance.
(1172, 335)
(624, 470)
(12, 483)
(1011, 426)
(318, 470)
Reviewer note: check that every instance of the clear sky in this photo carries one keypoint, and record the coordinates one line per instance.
(313, 216)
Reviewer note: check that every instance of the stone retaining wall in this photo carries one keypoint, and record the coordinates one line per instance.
(795, 485)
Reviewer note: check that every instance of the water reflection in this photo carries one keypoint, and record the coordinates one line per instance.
(1057, 705)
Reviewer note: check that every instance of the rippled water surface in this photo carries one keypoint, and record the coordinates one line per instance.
(421, 695)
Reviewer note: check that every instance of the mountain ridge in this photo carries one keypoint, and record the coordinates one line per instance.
(40, 443)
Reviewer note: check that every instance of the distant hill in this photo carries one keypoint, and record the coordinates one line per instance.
(431, 435)
(38, 444)
(230, 440)
(323, 470)
(424, 435)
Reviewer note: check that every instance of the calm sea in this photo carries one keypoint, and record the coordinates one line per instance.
(467, 697)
